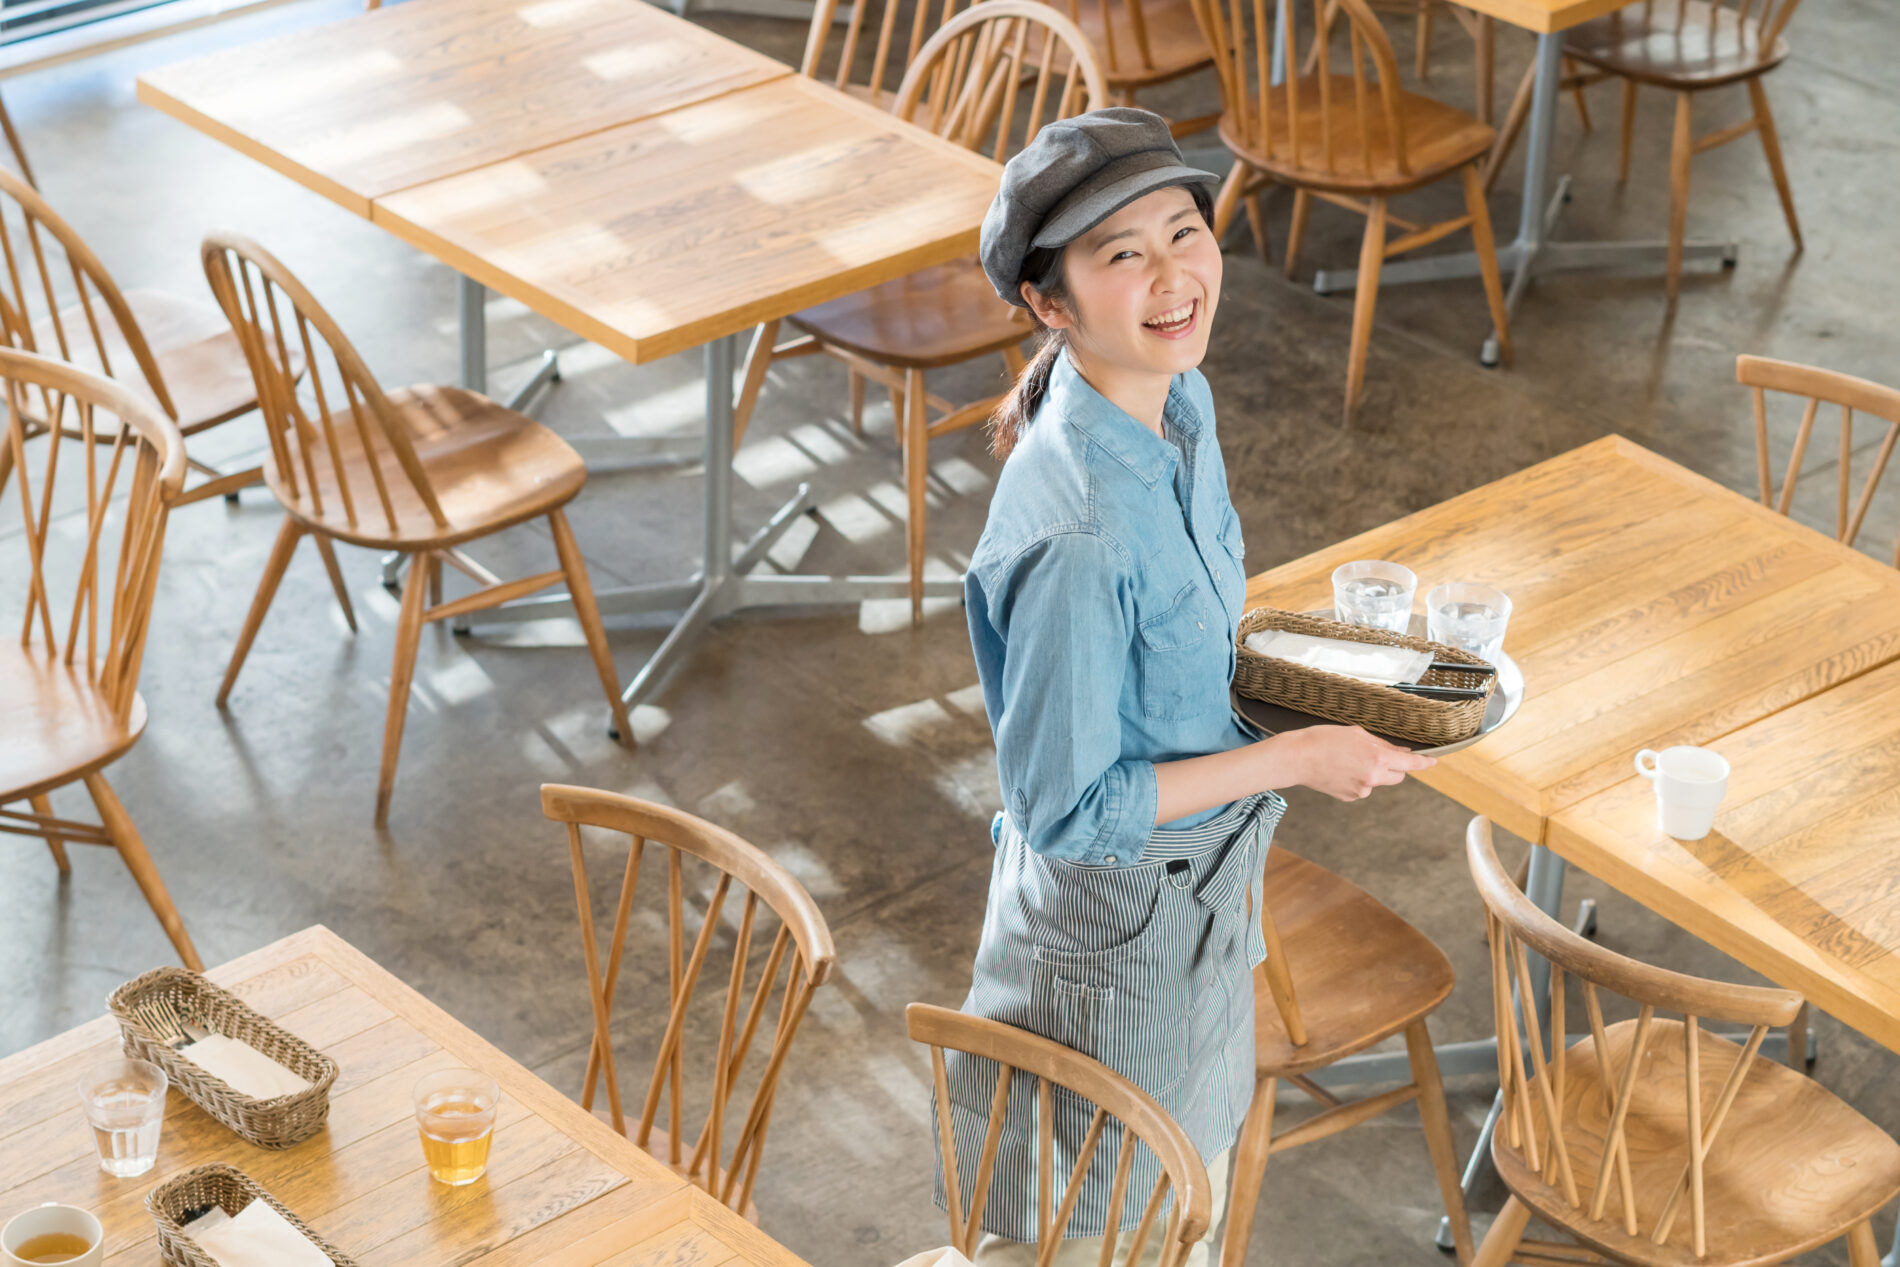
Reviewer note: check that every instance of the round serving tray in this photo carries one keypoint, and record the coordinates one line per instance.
(1271, 719)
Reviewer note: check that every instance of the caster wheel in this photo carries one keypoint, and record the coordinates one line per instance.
(230, 499)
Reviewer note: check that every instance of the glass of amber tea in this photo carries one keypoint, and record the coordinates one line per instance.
(455, 1114)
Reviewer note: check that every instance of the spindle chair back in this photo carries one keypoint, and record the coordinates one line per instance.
(1620, 1138)
(69, 701)
(1031, 1065)
(799, 960)
(1843, 392)
(868, 57)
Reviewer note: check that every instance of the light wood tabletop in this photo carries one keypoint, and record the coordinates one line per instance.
(660, 235)
(1651, 607)
(1544, 15)
(1798, 879)
(561, 1187)
(415, 91)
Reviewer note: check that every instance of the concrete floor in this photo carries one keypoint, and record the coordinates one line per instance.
(845, 743)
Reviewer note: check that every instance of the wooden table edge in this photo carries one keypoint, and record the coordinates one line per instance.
(151, 94)
(1539, 16)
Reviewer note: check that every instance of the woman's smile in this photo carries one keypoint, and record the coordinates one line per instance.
(1175, 323)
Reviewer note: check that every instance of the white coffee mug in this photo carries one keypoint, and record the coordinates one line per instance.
(1690, 784)
(52, 1219)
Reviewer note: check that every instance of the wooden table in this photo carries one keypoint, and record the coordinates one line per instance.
(1534, 252)
(645, 183)
(1651, 607)
(561, 1188)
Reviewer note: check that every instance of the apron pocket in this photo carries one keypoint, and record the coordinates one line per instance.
(1131, 1026)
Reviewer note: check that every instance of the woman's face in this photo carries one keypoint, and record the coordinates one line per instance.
(1143, 286)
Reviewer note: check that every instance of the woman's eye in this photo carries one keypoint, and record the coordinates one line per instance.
(1184, 232)
(1121, 255)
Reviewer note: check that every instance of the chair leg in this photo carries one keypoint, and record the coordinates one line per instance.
(857, 402)
(401, 674)
(1423, 54)
(1862, 1249)
(1629, 131)
(1250, 1168)
(1771, 146)
(1798, 1040)
(1437, 1122)
(1513, 124)
(1679, 154)
(1576, 95)
(916, 470)
(1229, 200)
(288, 535)
(897, 416)
(55, 843)
(1296, 230)
(1257, 224)
(1487, 247)
(125, 838)
(1371, 256)
(757, 361)
(581, 589)
(1487, 56)
(1507, 1230)
(327, 549)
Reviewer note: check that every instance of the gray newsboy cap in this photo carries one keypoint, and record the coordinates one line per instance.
(1075, 174)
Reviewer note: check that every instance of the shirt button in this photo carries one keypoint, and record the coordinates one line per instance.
(1111, 858)
(1199, 625)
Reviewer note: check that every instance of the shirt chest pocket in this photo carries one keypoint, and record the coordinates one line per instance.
(1181, 658)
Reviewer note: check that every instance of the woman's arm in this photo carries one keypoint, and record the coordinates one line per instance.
(1344, 762)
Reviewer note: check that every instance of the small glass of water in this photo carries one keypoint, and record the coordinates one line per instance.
(125, 1103)
(1468, 616)
(1374, 593)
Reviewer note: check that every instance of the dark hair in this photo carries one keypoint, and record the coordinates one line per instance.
(1042, 269)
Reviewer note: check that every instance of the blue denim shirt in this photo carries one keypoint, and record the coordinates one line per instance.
(1103, 601)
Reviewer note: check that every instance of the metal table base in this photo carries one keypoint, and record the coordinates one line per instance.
(1534, 253)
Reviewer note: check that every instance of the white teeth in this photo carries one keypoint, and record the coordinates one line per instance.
(1171, 318)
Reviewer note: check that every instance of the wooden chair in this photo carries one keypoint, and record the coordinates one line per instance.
(1029, 1064)
(13, 145)
(1653, 1142)
(1687, 47)
(1348, 141)
(1143, 44)
(421, 471)
(1342, 973)
(801, 930)
(1846, 393)
(177, 350)
(69, 699)
(988, 80)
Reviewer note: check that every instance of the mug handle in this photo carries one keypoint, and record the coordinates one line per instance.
(1651, 770)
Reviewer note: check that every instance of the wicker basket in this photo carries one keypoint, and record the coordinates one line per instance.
(276, 1123)
(1380, 709)
(183, 1198)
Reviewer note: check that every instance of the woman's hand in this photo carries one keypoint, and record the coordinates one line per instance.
(1346, 762)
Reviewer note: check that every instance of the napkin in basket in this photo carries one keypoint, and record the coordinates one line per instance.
(1367, 661)
(242, 1067)
(257, 1236)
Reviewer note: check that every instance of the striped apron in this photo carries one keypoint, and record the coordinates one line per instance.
(1148, 969)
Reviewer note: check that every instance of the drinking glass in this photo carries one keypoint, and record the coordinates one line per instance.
(1468, 616)
(125, 1103)
(1374, 593)
(455, 1114)
(53, 1233)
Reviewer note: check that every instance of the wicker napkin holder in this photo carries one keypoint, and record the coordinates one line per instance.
(1380, 709)
(282, 1122)
(184, 1197)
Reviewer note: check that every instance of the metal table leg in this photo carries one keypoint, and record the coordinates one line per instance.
(1532, 253)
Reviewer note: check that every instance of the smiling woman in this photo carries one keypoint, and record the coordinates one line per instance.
(1103, 601)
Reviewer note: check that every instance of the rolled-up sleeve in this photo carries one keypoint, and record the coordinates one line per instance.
(1060, 619)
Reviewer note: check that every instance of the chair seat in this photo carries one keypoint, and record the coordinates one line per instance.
(1711, 46)
(198, 355)
(1359, 971)
(1439, 139)
(55, 726)
(942, 315)
(1793, 1167)
(1176, 46)
(490, 467)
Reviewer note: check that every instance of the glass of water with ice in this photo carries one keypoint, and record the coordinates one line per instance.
(1375, 594)
(1468, 616)
(125, 1103)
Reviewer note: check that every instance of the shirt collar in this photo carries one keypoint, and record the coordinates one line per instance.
(1111, 427)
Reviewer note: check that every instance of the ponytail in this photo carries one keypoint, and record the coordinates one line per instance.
(1042, 269)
